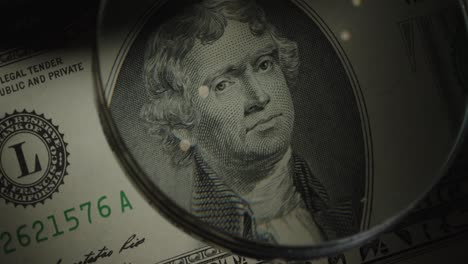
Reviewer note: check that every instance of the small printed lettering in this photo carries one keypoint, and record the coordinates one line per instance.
(5, 78)
(44, 65)
(36, 75)
(66, 71)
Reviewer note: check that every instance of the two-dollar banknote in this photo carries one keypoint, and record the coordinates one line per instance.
(65, 199)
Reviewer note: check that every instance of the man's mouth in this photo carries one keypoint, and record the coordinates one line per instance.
(263, 121)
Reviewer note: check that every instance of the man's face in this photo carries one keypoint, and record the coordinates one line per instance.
(241, 95)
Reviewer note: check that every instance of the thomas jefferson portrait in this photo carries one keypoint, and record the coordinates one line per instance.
(221, 98)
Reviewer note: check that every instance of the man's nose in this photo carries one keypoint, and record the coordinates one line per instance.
(257, 97)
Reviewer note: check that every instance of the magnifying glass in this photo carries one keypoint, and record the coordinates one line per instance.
(283, 129)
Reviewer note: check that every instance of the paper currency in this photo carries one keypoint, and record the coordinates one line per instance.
(96, 214)
(282, 121)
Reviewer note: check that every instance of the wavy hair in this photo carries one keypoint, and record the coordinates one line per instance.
(169, 108)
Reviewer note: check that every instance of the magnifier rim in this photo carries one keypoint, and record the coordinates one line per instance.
(237, 245)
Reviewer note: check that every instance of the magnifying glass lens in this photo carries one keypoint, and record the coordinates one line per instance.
(283, 129)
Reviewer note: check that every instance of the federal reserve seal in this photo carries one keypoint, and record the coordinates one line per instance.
(33, 158)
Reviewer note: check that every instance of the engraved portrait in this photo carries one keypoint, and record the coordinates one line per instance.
(227, 99)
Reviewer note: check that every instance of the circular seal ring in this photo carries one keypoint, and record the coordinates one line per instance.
(33, 158)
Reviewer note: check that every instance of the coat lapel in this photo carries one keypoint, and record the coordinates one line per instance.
(215, 203)
(336, 219)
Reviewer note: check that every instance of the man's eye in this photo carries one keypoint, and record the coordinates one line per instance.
(221, 86)
(265, 65)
